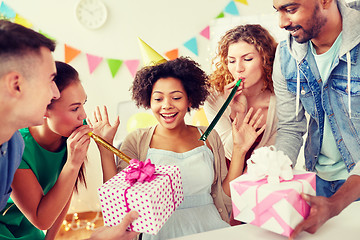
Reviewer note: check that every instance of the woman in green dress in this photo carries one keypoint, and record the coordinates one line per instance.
(52, 164)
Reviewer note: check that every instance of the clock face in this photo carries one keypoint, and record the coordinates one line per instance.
(91, 13)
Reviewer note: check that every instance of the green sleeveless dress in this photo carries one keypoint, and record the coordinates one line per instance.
(47, 167)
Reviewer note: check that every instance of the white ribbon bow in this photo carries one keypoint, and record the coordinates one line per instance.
(270, 163)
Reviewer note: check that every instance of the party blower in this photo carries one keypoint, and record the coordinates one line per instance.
(108, 146)
(221, 111)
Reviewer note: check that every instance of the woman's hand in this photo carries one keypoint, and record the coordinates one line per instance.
(101, 125)
(105, 130)
(78, 144)
(245, 132)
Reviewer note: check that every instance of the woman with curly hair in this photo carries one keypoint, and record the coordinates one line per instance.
(246, 52)
(171, 89)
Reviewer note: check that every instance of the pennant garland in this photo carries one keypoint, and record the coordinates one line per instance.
(172, 54)
(93, 61)
(231, 8)
(47, 35)
(132, 65)
(70, 53)
(192, 45)
(114, 65)
(221, 15)
(206, 32)
(22, 21)
(242, 1)
(6, 11)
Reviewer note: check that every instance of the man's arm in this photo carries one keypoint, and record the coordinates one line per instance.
(291, 127)
(322, 208)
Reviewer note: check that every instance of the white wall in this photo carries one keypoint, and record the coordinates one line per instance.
(163, 24)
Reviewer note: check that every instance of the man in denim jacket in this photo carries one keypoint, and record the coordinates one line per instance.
(317, 71)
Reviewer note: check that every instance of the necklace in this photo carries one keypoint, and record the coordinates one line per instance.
(263, 89)
(257, 94)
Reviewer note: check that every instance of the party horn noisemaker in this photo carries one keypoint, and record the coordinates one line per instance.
(221, 111)
(108, 146)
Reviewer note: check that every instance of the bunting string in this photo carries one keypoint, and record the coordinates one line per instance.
(114, 65)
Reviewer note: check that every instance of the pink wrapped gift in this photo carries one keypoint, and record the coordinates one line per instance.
(153, 191)
(271, 202)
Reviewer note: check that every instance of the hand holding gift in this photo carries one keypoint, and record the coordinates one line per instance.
(119, 232)
(269, 194)
(152, 191)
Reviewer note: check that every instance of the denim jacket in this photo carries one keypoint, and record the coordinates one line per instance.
(299, 88)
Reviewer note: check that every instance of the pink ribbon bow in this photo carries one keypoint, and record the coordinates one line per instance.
(140, 171)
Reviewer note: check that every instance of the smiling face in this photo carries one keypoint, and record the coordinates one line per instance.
(245, 62)
(302, 18)
(169, 102)
(39, 88)
(67, 113)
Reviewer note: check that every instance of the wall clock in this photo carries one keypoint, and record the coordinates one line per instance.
(92, 14)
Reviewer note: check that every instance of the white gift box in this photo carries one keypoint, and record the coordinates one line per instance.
(263, 197)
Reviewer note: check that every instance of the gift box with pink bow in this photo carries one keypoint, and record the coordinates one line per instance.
(153, 191)
(268, 195)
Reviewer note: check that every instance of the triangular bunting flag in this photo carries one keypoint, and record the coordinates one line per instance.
(93, 62)
(22, 21)
(47, 35)
(221, 15)
(70, 53)
(132, 65)
(114, 65)
(242, 1)
(206, 32)
(192, 46)
(231, 8)
(6, 11)
(172, 54)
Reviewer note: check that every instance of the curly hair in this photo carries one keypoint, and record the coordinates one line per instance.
(194, 80)
(253, 34)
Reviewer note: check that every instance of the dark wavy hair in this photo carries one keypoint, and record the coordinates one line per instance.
(65, 76)
(194, 80)
(253, 34)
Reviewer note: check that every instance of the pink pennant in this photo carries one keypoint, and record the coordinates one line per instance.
(93, 62)
(132, 65)
(206, 32)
